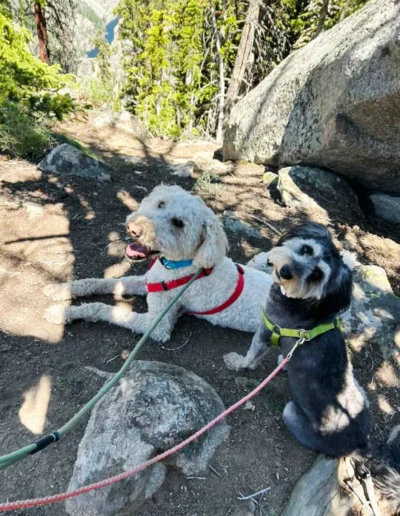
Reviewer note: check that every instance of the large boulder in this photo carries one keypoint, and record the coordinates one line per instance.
(66, 160)
(331, 104)
(154, 407)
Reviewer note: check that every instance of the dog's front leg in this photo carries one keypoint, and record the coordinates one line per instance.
(131, 285)
(138, 323)
(257, 351)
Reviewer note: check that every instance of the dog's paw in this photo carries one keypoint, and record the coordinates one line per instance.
(58, 291)
(55, 314)
(234, 361)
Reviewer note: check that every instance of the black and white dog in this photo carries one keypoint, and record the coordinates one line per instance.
(329, 410)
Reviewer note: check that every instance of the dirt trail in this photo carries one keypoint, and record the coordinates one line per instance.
(53, 229)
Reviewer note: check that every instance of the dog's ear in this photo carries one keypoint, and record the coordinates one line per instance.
(214, 246)
(338, 294)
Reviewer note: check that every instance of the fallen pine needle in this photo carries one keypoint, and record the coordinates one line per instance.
(112, 359)
(215, 471)
(251, 496)
(179, 347)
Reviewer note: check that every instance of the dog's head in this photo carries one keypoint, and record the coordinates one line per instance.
(177, 225)
(307, 265)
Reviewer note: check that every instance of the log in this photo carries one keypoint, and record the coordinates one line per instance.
(323, 491)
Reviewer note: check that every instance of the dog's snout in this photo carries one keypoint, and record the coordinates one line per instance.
(134, 229)
(285, 273)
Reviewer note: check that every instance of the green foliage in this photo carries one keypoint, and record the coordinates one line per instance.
(21, 74)
(21, 135)
(29, 101)
(302, 19)
(173, 74)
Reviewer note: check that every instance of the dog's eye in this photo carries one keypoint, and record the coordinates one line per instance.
(161, 204)
(177, 222)
(306, 250)
(269, 263)
(316, 275)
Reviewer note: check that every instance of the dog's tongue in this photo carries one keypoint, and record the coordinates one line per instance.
(137, 252)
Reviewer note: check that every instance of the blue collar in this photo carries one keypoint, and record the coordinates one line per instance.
(169, 264)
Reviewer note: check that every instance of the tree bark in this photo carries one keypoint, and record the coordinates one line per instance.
(242, 56)
(221, 77)
(40, 21)
(322, 17)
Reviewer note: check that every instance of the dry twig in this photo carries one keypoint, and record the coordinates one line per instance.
(268, 224)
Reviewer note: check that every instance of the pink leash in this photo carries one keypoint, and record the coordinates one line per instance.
(34, 502)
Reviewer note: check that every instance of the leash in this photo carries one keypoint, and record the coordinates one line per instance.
(44, 442)
(35, 502)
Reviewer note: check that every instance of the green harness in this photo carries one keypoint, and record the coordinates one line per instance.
(302, 335)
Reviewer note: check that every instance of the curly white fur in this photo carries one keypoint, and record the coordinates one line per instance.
(202, 239)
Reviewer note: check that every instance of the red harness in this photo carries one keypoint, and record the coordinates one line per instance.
(164, 286)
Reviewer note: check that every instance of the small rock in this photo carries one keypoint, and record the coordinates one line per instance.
(154, 407)
(234, 224)
(204, 162)
(249, 406)
(386, 207)
(184, 170)
(66, 160)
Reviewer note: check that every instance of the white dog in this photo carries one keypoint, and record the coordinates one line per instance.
(182, 234)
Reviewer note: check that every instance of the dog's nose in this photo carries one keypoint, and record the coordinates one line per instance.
(134, 229)
(286, 273)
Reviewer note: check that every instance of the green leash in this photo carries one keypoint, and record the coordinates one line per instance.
(303, 335)
(16, 456)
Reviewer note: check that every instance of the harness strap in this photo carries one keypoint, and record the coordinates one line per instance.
(306, 335)
(235, 295)
(170, 285)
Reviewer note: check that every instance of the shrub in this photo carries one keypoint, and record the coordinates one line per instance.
(21, 135)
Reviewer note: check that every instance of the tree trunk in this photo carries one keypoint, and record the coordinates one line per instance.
(221, 77)
(322, 17)
(242, 56)
(40, 21)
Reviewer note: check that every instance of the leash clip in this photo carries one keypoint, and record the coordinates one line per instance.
(301, 341)
(304, 336)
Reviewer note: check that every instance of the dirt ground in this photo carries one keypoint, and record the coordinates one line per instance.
(54, 229)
